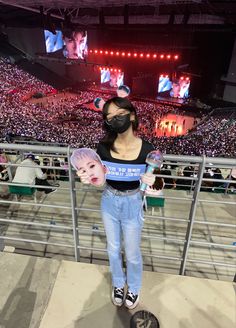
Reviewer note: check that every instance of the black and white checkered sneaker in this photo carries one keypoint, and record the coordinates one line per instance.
(131, 300)
(118, 296)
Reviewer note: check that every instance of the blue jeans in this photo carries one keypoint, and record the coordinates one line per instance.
(124, 215)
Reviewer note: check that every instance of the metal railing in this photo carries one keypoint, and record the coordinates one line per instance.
(76, 227)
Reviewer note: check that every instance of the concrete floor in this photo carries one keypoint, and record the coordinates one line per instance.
(26, 286)
(47, 293)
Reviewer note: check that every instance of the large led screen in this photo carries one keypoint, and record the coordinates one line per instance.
(174, 88)
(112, 78)
(71, 44)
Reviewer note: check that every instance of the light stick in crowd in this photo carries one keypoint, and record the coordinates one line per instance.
(154, 160)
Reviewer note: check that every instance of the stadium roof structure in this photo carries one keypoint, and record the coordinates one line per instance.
(119, 12)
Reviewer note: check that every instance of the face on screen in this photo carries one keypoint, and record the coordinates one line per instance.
(76, 45)
(112, 79)
(71, 44)
(177, 88)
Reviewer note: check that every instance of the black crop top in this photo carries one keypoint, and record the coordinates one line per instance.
(105, 155)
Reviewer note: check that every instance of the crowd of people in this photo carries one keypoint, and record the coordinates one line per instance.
(215, 137)
(65, 118)
(15, 81)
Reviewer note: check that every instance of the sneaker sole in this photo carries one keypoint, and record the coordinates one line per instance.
(117, 304)
(114, 301)
(131, 307)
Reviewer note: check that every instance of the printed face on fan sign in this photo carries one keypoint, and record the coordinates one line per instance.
(94, 169)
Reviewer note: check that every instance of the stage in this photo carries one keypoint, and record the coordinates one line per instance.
(173, 125)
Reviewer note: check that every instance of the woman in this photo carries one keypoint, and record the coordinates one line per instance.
(121, 204)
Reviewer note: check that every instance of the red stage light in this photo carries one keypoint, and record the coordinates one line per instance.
(176, 57)
(100, 68)
(96, 51)
(148, 55)
(118, 70)
(167, 75)
(135, 55)
(161, 56)
(123, 53)
(111, 69)
(111, 52)
(129, 54)
(141, 55)
(91, 51)
(187, 78)
(168, 56)
(117, 53)
(115, 70)
(101, 52)
(181, 78)
(154, 56)
(106, 52)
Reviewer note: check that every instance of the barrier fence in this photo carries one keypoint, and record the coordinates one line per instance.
(71, 203)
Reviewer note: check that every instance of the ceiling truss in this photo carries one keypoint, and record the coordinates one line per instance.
(92, 12)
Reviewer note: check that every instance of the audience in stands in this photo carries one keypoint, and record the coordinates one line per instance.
(30, 173)
(67, 119)
(170, 183)
(232, 185)
(4, 177)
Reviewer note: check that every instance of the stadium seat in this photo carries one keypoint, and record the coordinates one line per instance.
(153, 202)
(22, 191)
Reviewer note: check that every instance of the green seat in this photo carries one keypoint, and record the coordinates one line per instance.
(219, 190)
(64, 178)
(21, 190)
(155, 202)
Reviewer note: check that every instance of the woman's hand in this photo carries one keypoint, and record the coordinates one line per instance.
(148, 178)
(84, 178)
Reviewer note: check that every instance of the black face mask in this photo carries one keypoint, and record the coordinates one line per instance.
(120, 124)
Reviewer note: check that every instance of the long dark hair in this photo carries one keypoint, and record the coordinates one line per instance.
(159, 182)
(110, 136)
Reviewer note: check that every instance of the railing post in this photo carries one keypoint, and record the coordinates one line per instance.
(2, 243)
(73, 208)
(227, 185)
(192, 215)
(192, 182)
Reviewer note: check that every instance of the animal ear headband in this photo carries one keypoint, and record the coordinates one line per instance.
(122, 91)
